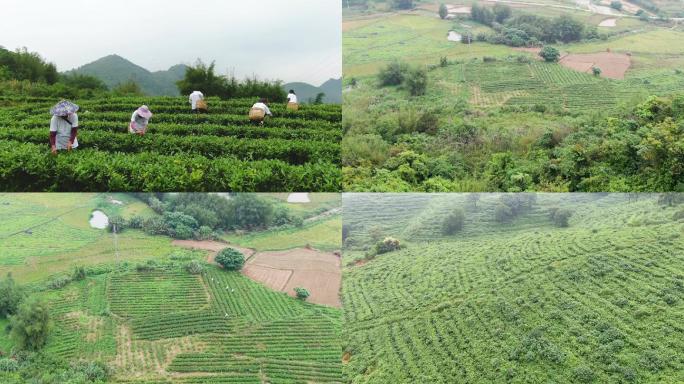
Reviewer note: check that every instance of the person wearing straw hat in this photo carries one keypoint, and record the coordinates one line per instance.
(292, 101)
(63, 126)
(197, 101)
(259, 111)
(139, 120)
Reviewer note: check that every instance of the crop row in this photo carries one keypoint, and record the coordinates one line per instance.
(239, 131)
(290, 151)
(30, 167)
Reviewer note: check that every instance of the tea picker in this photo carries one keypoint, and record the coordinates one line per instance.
(259, 111)
(63, 126)
(292, 101)
(139, 120)
(197, 102)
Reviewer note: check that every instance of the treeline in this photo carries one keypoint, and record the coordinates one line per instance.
(203, 77)
(27, 73)
(527, 29)
(199, 216)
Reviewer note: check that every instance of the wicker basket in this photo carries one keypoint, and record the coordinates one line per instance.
(292, 106)
(201, 104)
(257, 114)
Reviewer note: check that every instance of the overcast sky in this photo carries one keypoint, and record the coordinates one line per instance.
(290, 40)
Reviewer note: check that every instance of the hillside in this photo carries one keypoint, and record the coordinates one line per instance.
(332, 89)
(144, 317)
(114, 70)
(492, 115)
(522, 301)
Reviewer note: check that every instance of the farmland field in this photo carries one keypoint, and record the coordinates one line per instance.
(219, 151)
(144, 316)
(487, 107)
(524, 300)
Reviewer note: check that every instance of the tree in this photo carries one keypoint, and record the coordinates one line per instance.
(203, 78)
(230, 259)
(31, 325)
(302, 293)
(501, 12)
(249, 211)
(443, 11)
(596, 71)
(393, 74)
(128, 88)
(320, 96)
(453, 222)
(616, 4)
(472, 199)
(11, 296)
(567, 29)
(502, 213)
(416, 82)
(549, 54)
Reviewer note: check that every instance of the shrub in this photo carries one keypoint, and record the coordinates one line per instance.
(78, 274)
(443, 11)
(453, 222)
(148, 266)
(194, 267)
(230, 259)
(549, 54)
(443, 61)
(204, 233)
(11, 295)
(502, 213)
(136, 222)
(8, 365)
(616, 4)
(416, 82)
(679, 215)
(583, 374)
(302, 293)
(596, 71)
(117, 222)
(393, 74)
(31, 325)
(389, 244)
(58, 282)
(560, 217)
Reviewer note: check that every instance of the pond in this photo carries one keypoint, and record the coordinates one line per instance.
(298, 198)
(99, 220)
(454, 36)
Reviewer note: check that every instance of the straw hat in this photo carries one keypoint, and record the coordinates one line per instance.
(144, 112)
(64, 108)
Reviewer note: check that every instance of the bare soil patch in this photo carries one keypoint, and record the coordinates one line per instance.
(613, 65)
(608, 23)
(212, 246)
(318, 272)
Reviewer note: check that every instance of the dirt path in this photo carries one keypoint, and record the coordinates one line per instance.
(323, 215)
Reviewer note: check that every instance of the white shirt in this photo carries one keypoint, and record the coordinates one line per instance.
(263, 107)
(138, 123)
(63, 129)
(195, 97)
(291, 97)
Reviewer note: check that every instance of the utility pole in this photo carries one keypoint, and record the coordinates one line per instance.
(116, 245)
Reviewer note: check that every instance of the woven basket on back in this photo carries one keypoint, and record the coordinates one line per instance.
(256, 114)
(201, 104)
(292, 106)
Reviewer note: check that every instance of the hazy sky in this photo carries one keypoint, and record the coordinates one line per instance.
(290, 40)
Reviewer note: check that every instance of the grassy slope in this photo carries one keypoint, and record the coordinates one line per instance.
(523, 302)
(61, 237)
(322, 234)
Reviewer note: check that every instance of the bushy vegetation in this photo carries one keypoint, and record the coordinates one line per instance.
(30, 326)
(526, 30)
(454, 222)
(302, 293)
(230, 259)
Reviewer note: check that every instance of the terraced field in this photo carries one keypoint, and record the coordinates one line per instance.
(598, 301)
(169, 326)
(219, 151)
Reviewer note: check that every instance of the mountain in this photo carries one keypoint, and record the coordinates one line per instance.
(332, 89)
(114, 70)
